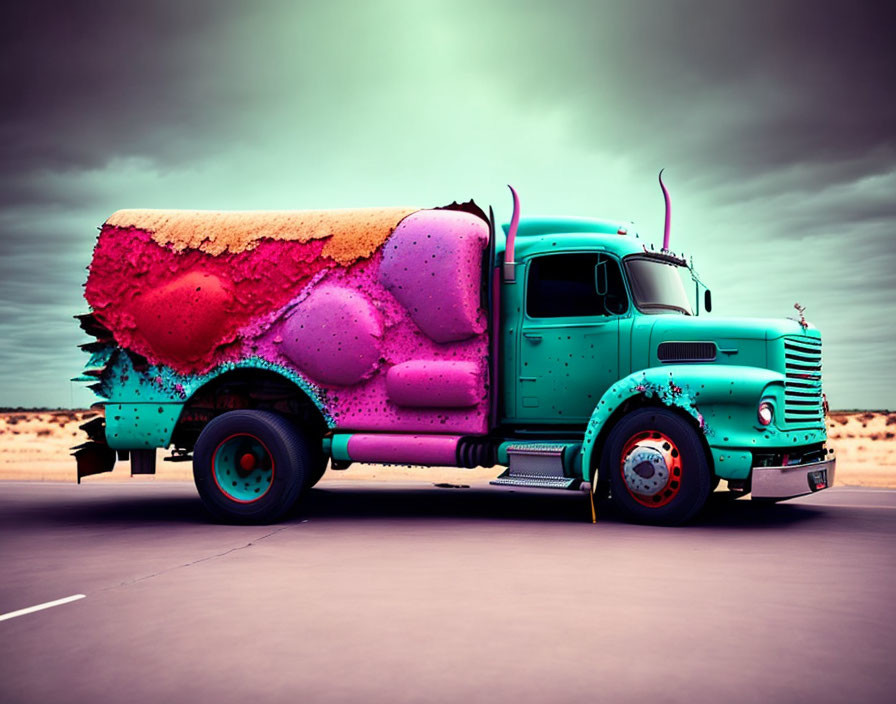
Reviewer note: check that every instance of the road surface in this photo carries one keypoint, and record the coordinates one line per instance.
(390, 592)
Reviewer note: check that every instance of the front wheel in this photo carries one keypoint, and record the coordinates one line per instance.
(250, 466)
(657, 468)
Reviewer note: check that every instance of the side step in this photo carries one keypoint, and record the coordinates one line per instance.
(535, 481)
(538, 466)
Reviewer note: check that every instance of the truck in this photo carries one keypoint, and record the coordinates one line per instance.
(266, 347)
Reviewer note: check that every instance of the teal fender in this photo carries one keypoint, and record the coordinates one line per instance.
(143, 407)
(723, 401)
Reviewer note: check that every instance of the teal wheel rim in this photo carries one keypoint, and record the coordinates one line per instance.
(243, 468)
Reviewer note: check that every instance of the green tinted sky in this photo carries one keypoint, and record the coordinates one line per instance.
(775, 123)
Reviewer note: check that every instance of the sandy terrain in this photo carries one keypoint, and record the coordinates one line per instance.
(34, 445)
(865, 443)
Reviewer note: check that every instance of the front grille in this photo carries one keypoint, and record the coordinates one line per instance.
(802, 388)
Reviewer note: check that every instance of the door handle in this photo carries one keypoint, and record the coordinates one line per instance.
(532, 337)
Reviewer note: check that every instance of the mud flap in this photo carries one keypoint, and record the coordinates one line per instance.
(94, 456)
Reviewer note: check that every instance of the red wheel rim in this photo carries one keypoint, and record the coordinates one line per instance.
(650, 466)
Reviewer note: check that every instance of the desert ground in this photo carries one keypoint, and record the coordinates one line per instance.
(35, 445)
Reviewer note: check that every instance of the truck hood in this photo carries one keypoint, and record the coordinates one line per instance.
(686, 328)
(741, 341)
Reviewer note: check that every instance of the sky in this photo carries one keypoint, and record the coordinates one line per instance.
(775, 122)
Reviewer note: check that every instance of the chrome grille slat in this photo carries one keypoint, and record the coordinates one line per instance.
(803, 351)
(804, 340)
(801, 357)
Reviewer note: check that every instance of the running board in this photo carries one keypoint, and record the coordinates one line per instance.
(535, 481)
(538, 466)
(536, 459)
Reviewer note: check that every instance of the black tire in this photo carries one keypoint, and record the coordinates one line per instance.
(281, 470)
(675, 487)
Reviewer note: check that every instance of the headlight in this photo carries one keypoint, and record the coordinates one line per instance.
(765, 413)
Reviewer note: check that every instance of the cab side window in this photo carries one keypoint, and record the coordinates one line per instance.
(566, 286)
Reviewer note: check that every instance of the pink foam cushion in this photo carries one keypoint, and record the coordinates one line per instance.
(432, 264)
(334, 336)
(435, 384)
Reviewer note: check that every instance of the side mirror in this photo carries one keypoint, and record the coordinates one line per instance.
(707, 301)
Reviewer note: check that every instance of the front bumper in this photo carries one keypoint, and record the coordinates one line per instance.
(795, 480)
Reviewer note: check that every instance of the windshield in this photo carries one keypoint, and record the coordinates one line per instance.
(657, 286)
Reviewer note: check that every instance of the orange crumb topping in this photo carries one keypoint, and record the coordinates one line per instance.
(353, 234)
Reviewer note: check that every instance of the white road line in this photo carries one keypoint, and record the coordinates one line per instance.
(41, 607)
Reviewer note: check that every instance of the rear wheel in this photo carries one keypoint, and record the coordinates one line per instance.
(250, 466)
(656, 466)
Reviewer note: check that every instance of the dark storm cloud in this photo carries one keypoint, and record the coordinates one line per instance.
(817, 72)
(739, 88)
(83, 82)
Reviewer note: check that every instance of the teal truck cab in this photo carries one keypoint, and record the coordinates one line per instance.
(563, 349)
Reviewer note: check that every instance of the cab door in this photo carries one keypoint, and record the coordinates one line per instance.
(568, 351)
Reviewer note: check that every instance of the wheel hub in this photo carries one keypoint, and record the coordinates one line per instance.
(651, 468)
(645, 471)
